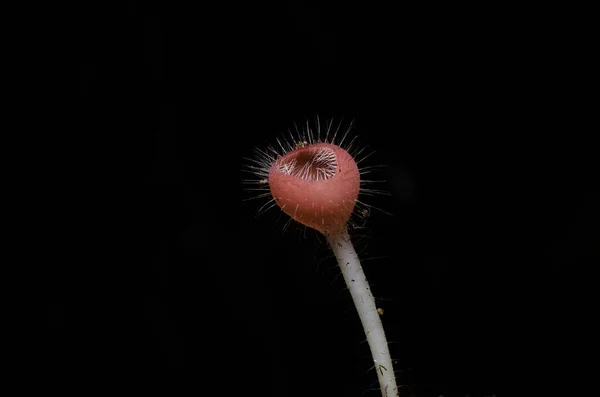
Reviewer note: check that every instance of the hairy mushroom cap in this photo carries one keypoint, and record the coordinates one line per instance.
(317, 185)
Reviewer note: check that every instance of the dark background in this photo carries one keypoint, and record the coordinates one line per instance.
(477, 118)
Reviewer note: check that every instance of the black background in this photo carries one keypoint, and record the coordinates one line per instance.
(477, 118)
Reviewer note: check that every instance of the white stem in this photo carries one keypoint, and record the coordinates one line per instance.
(365, 304)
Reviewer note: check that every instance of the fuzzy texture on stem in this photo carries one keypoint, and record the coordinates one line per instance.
(367, 311)
(318, 186)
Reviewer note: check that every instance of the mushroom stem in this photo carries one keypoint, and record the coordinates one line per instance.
(358, 285)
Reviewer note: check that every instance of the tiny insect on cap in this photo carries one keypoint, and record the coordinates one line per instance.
(317, 185)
